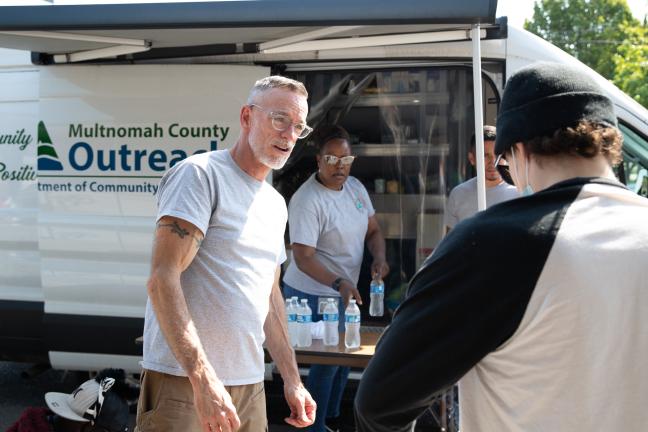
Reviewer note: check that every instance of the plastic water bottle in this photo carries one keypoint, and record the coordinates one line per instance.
(291, 314)
(304, 319)
(331, 320)
(352, 325)
(288, 308)
(296, 306)
(377, 294)
(295, 330)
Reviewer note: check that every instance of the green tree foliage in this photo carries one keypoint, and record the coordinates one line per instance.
(590, 30)
(603, 34)
(631, 64)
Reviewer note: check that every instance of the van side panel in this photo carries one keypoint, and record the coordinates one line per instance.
(107, 134)
(21, 296)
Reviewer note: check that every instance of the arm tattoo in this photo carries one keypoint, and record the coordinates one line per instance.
(176, 229)
(182, 233)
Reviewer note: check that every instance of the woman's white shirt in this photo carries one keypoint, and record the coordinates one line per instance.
(335, 224)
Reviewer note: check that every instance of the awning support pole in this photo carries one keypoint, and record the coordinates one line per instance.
(479, 117)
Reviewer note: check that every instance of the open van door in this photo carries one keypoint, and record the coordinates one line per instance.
(126, 90)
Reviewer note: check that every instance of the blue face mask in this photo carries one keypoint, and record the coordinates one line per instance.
(528, 190)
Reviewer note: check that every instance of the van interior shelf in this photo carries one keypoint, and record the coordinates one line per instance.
(405, 149)
(400, 99)
(413, 203)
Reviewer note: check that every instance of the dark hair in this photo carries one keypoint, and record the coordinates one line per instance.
(490, 134)
(586, 139)
(326, 133)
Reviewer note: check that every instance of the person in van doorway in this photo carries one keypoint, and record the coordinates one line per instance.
(214, 295)
(538, 305)
(330, 220)
(462, 201)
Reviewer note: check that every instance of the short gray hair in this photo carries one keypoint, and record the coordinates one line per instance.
(276, 81)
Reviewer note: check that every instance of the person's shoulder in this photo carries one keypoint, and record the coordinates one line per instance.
(306, 189)
(271, 190)
(354, 184)
(275, 196)
(205, 158)
(488, 226)
(200, 161)
(513, 232)
(508, 189)
(467, 186)
(307, 193)
(522, 217)
(513, 222)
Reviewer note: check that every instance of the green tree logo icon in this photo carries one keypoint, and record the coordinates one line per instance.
(47, 157)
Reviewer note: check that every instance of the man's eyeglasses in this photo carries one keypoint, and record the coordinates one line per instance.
(344, 160)
(503, 169)
(281, 122)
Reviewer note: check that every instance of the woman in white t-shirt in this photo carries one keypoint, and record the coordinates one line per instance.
(330, 219)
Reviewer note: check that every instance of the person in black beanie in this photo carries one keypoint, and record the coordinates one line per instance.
(537, 306)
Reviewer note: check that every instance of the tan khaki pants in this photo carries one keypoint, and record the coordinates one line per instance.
(166, 404)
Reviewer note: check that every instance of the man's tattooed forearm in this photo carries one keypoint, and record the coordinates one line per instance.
(182, 233)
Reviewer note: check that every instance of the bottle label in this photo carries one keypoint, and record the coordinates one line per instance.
(331, 317)
(377, 288)
(292, 317)
(304, 318)
(352, 318)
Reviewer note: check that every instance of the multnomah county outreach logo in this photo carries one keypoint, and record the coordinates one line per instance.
(47, 157)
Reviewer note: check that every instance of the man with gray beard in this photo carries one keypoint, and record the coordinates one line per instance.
(214, 295)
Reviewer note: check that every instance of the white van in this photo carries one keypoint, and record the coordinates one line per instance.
(102, 99)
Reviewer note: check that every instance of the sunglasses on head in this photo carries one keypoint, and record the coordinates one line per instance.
(503, 169)
(333, 160)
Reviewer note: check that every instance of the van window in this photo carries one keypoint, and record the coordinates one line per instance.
(635, 158)
(410, 130)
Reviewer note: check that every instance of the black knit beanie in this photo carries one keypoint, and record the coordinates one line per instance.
(544, 97)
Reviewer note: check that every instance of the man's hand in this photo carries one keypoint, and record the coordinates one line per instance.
(348, 291)
(380, 266)
(302, 406)
(214, 405)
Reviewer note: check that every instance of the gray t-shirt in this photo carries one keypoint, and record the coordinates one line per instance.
(462, 202)
(335, 224)
(228, 284)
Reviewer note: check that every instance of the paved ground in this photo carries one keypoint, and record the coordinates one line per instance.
(18, 390)
(23, 385)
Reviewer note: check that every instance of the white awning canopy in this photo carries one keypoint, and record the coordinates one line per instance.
(72, 33)
(91, 32)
